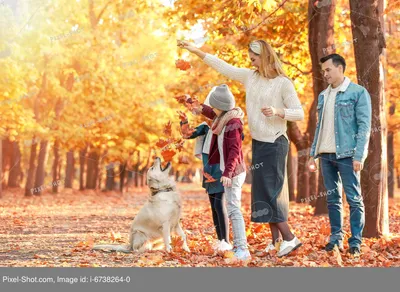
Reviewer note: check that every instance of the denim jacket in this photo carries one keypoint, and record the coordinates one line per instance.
(352, 122)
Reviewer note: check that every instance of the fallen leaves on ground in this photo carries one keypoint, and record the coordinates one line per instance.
(60, 231)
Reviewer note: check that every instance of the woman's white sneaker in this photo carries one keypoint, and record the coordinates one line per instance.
(288, 246)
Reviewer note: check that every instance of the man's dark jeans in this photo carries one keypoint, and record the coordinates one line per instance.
(331, 168)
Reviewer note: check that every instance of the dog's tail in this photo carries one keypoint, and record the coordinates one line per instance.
(113, 247)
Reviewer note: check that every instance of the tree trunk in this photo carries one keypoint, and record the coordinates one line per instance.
(137, 169)
(110, 182)
(122, 172)
(390, 157)
(40, 171)
(143, 170)
(89, 171)
(366, 28)
(321, 43)
(291, 175)
(29, 190)
(92, 170)
(15, 171)
(398, 179)
(4, 161)
(69, 170)
(143, 177)
(82, 160)
(1, 167)
(56, 161)
(302, 169)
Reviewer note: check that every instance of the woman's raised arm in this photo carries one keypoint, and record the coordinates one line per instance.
(232, 72)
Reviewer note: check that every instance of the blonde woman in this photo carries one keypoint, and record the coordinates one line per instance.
(271, 101)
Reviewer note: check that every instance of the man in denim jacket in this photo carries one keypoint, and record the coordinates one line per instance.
(341, 141)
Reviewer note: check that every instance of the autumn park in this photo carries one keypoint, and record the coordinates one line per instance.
(93, 92)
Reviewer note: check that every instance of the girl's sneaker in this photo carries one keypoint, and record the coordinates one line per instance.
(224, 246)
(242, 254)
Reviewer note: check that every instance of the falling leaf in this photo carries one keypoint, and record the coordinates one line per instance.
(162, 143)
(182, 64)
(168, 155)
(179, 145)
(167, 129)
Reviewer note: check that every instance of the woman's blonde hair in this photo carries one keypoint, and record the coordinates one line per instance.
(269, 60)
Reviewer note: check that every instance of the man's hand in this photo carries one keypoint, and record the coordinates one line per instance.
(312, 166)
(357, 166)
(226, 181)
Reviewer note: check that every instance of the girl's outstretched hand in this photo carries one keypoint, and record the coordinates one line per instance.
(186, 131)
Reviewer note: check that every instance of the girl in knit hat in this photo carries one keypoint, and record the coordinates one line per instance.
(226, 149)
(215, 189)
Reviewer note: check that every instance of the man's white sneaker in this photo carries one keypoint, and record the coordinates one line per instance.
(288, 246)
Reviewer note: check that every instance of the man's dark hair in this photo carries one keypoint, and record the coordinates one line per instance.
(336, 60)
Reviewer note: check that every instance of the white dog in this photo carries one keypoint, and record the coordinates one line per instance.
(158, 217)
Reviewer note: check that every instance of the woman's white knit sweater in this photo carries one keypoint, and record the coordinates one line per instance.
(261, 92)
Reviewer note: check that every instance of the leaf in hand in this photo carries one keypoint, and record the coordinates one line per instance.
(193, 105)
(182, 116)
(208, 177)
(182, 64)
(182, 98)
(167, 129)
